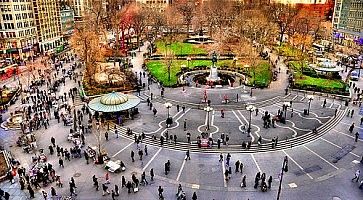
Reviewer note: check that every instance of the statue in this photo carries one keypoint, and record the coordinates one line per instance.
(214, 58)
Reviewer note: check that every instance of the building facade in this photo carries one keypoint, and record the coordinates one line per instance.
(17, 29)
(47, 20)
(157, 4)
(79, 7)
(348, 22)
(67, 22)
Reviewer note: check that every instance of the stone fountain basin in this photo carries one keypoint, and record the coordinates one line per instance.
(196, 72)
(15, 119)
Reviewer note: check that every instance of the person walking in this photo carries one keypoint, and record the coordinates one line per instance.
(187, 155)
(113, 195)
(356, 137)
(60, 161)
(106, 136)
(356, 176)
(104, 189)
(145, 150)
(141, 153)
(185, 124)
(269, 182)
(160, 191)
(221, 157)
(351, 113)
(45, 195)
(243, 184)
(123, 181)
(194, 197)
(152, 174)
(351, 128)
(31, 191)
(117, 191)
(237, 164)
(143, 179)
(132, 156)
(107, 178)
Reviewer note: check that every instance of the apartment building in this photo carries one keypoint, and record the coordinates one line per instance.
(157, 4)
(348, 22)
(17, 29)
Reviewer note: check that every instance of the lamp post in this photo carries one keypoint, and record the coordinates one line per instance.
(310, 98)
(250, 108)
(168, 106)
(208, 109)
(284, 169)
(285, 105)
(188, 60)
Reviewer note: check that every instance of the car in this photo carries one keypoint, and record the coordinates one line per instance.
(354, 76)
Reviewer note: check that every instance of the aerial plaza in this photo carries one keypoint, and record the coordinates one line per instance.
(187, 103)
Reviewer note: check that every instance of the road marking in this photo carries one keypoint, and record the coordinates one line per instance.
(160, 126)
(252, 138)
(346, 135)
(223, 170)
(181, 169)
(154, 156)
(302, 169)
(338, 146)
(294, 98)
(254, 160)
(302, 98)
(240, 121)
(292, 185)
(355, 161)
(122, 149)
(195, 186)
(321, 157)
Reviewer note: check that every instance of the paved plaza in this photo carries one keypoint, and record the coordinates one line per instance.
(320, 165)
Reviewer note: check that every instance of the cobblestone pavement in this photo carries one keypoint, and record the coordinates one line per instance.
(319, 169)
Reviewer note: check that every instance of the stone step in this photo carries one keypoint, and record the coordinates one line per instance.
(265, 147)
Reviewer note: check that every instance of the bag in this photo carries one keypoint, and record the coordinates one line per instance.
(136, 189)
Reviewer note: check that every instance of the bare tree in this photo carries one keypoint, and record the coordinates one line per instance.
(187, 9)
(283, 15)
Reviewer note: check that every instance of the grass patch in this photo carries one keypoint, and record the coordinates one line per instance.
(179, 48)
(159, 69)
(261, 76)
(310, 80)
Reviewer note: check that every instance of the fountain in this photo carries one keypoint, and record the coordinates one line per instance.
(199, 39)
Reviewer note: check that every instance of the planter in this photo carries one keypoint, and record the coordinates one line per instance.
(4, 165)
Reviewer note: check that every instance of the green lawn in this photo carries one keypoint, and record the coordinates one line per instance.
(312, 81)
(262, 75)
(159, 69)
(179, 48)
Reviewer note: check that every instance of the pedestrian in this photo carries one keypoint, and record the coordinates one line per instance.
(356, 175)
(351, 113)
(104, 189)
(194, 196)
(351, 128)
(106, 135)
(45, 195)
(52, 140)
(243, 184)
(145, 149)
(143, 179)
(187, 155)
(7, 196)
(116, 133)
(160, 191)
(356, 136)
(140, 154)
(72, 191)
(53, 193)
(237, 166)
(185, 124)
(113, 195)
(269, 182)
(152, 174)
(107, 178)
(132, 156)
(123, 181)
(60, 161)
(220, 157)
(31, 191)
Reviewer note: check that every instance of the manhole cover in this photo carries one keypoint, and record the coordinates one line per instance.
(77, 175)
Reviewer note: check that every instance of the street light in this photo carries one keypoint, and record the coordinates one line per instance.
(310, 98)
(284, 169)
(285, 105)
(168, 106)
(250, 108)
(208, 109)
(188, 60)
